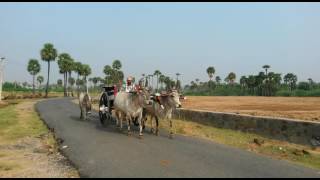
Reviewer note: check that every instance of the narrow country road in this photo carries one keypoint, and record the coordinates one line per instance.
(106, 152)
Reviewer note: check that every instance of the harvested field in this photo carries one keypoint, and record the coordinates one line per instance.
(304, 108)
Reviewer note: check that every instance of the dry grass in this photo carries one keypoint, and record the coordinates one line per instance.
(304, 108)
(27, 148)
(303, 155)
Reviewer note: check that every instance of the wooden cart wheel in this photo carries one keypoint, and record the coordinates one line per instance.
(102, 103)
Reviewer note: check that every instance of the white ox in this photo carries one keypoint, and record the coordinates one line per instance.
(85, 104)
(170, 102)
(130, 106)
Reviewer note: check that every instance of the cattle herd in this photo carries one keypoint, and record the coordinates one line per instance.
(135, 107)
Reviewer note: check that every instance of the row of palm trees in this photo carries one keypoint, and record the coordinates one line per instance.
(66, 64)
(264, 83)
(165, 82)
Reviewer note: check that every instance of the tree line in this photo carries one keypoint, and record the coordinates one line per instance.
(264, 83)
(68, 65)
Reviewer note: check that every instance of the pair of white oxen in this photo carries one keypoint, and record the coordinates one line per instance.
(137, 106)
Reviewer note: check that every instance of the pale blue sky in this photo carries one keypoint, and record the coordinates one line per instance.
(171, 37)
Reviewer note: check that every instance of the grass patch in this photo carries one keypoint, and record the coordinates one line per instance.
(299, 154)
(5, 166)
(17, 121)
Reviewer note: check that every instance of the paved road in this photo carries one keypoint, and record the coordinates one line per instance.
(106, 152)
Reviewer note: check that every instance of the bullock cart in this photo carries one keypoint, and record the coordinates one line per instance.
(106, 104)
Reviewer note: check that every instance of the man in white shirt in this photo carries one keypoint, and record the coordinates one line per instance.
(129, 85)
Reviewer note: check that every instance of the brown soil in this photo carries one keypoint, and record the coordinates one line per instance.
(304, 108)
(32, 156)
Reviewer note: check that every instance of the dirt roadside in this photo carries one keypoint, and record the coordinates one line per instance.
(27, 148)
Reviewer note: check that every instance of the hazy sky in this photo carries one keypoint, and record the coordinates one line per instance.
(171, 37)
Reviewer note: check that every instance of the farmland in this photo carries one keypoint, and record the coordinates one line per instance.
(306, 108)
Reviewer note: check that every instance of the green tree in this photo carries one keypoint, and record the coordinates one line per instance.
(210, 72)
(48, 54)
(40, 79)
(108, 71)
(71, 81)
(157, 73)
(266, 67)
(65, 64)
(116, 65)
(78, 69)
(86, 73)
(59, 82)
(162, 79)
(33, 69)
(243, 81)
(231, 77)
(291, 80)
(218, 79)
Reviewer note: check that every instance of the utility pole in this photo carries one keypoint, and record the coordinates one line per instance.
(1, 75)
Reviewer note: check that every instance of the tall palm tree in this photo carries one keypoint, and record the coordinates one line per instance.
(210, 72)
(177, 81)
(157, 73)
(59, 82)
(243, 81)
(197, 80)
(144, 79)
(108, 71)
(290, 79)
(266, 67)
(152, 80)
(65, 64)
(86, 73)
(116, 64)
(231, 77)
(40, 79)
(71, 82)
(33, 69)
(48, 54)
(162, 79)
(70, 68)
(178, 74)
(78, 70)
(218, 79)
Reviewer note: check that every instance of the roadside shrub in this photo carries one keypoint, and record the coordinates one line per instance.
(304, 86)
(314, 93)
(284, 93)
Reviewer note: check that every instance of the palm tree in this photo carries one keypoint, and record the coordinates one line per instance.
(48, 53)
(59, 82)
(71, 81)
(157, 73)
(210, 72)
(40, 79)
(178, 74)
(162, 79)
(243, 81)
(78, 70)
(231, 77)
(65, 64)
(291, 80)
(218, 79)
(70, 68)
(117, 74)
(33, 69)
(95, 81)
(197, 80)
(86, 72)
(116, 64)
(151, 81)
(266, 67)
(108, 71)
